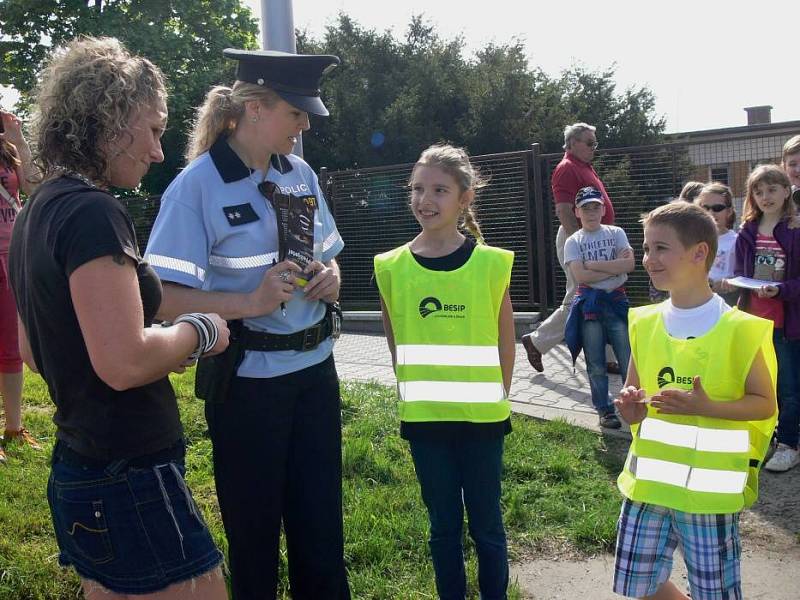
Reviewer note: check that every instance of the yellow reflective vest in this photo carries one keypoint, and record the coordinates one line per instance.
(690, 463)
(445, 326)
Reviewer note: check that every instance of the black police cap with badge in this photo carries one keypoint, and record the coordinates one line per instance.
(294, 77)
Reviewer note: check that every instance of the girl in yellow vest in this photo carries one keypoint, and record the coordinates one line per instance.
(450, 328)
(700, 398)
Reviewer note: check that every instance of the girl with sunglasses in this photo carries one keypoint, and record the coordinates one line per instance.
(717, 199)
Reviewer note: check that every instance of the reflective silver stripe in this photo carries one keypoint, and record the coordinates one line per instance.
(717, 481)
(668, 433)
(330, 240)
(243, 262)
(663, 471)
(695, 479)
(723, 440)
(448, 355)
(691, 436)
(176, 264)
(451, 391)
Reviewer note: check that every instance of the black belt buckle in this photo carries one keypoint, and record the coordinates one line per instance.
(312, 337)
(336, 320)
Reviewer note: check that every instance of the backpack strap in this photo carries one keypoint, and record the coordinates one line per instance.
(8, 198)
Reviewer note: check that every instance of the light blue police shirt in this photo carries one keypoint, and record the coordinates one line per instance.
(216, 232)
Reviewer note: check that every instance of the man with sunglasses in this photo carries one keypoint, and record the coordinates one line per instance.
(573, 173)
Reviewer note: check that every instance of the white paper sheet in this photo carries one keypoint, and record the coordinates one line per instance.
(749, 283)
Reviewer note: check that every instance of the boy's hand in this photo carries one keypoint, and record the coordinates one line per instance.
(682, 402)
(631, 404)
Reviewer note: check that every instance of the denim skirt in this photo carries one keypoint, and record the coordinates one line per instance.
(130, 526)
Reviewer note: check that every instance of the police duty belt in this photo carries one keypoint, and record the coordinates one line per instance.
(301, 341)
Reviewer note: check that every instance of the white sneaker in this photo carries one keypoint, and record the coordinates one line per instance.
(785, 458)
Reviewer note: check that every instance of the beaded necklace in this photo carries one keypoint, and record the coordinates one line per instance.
(65, 172)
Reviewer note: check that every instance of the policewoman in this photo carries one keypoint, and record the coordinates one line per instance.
(272, 403)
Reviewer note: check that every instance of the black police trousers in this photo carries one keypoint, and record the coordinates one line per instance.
(278, 459)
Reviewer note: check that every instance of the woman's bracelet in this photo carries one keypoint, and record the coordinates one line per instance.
(207, 332)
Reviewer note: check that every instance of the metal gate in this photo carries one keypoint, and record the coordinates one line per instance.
(515, 210)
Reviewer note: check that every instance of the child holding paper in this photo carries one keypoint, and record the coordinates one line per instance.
(768, 249)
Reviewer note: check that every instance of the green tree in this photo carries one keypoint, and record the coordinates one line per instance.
(185, 38)
(500, 90)
(625, 119)
(422, 88)
(388, 97)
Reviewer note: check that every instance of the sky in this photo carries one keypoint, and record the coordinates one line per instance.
(705, 60)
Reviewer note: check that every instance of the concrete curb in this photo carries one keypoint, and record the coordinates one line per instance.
(579, 419)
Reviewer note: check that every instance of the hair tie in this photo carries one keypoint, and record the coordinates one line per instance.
(225, 101)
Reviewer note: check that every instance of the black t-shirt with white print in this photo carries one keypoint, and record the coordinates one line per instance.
(66, 224)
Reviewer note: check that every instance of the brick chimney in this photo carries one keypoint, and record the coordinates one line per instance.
(759, 115)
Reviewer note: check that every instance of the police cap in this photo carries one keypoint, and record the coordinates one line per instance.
(294, 77)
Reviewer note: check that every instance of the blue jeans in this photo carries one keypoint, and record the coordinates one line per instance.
(607, 328)
(133, 529)
(788, 353)
(452, 475)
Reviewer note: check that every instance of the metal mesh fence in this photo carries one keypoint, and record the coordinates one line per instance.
(641, 178)
(372, 214)
(515, 210)
(637, 180)
(143, 212)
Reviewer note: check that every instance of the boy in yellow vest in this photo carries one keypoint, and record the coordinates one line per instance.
(700, 398)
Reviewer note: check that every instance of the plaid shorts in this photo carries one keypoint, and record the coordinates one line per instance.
(647, 536)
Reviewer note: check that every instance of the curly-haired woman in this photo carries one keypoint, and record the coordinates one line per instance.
(122, 513)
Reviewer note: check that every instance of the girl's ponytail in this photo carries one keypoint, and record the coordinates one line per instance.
(471, 223)
(220, 113)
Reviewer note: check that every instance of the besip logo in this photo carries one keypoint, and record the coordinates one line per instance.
(429, 305)
(667, 376)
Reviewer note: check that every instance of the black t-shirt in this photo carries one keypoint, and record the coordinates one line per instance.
(444, 430)
(66, 224)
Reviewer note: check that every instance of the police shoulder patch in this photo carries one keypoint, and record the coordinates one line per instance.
(241, 214)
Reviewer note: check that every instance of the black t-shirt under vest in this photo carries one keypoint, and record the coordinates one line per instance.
(448, 430)
(66, 224)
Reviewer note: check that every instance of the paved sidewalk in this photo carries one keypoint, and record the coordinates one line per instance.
(559, 392)
(769, 528)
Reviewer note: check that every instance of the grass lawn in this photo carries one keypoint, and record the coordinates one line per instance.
(558, 491)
